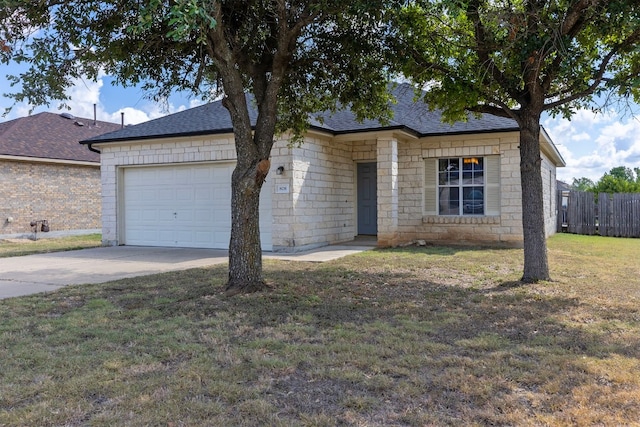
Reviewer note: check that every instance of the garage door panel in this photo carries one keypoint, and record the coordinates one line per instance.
(140, 236)
(203, 175)
(184, 206)
(150, 215)
(162, 195)
(182, 176)
(220, 194)
(186, 196)
(152, 195)
(203, 195)
(202, 217)
(134, 195)
(203, 237)
(220, 175)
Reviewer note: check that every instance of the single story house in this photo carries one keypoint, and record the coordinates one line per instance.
(167, 182)
(45, 175)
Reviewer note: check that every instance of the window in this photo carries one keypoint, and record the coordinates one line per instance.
(462, 186)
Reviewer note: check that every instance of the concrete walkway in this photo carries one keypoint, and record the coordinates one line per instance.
(31, 274)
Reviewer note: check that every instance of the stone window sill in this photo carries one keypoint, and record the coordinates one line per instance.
(442, 219)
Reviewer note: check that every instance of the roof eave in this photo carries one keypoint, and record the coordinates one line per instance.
(550, 148)
(48, 160)
(471, 132)
(332, 132)
(156, 136)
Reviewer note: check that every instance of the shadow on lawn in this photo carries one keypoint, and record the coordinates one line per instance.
(449, 250)
(499, 350)
(394, 347)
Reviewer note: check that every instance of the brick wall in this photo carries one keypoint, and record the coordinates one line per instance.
(66, 195)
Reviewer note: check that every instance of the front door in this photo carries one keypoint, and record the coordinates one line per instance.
(367, 199)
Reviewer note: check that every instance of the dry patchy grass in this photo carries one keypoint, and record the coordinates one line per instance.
(403, 337)
(19, 247)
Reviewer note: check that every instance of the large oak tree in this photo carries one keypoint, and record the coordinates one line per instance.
(294, 57)
(518, 59)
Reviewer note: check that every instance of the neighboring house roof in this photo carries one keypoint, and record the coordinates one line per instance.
(51, 136)
(409, 114)
(563, 186)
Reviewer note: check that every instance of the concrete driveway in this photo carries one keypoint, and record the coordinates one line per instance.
(47, 272)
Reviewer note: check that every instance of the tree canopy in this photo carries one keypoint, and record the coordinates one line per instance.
(328, 52)
(620, 179)
(294, 57)
(582, 184)
(504, 57)
(517, 59)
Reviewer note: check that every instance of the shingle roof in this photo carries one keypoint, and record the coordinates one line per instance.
(409, 114)
(51, 136)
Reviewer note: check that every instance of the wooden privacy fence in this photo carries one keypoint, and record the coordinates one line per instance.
(616, 215)
(620, 215)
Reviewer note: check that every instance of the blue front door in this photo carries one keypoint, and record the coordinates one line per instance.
(367, 199)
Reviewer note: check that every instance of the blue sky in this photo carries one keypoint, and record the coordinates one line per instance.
(590, 143)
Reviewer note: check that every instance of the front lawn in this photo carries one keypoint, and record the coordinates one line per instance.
(404, 337)
(19, 247)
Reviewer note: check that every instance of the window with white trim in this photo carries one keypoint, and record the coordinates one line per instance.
(462, 186)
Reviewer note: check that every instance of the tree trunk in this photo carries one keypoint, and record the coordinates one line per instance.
(245, 252)
(536, 266)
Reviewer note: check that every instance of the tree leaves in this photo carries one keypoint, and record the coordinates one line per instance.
(187, 15)
(500, 53)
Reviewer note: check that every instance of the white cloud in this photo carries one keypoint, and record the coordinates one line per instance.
(132, 116)
(85, 93)
(584, 136)
(149, 111)
(593, 144)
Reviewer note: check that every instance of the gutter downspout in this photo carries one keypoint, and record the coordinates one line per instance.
(95, 150)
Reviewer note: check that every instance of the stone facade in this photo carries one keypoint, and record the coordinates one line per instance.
(320, 208)
(550, 188)
(503, 228)
(66, 194)
(314, 200)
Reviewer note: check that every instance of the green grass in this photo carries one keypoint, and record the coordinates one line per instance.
(19, 247)
(403, 337)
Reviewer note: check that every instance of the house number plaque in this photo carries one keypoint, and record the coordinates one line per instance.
(282, 189)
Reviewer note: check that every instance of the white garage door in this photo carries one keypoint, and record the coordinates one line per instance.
(184, 206)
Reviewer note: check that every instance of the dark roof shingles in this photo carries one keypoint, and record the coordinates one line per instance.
(409, 113)
(51, 136)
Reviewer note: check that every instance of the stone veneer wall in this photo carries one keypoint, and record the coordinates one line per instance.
(314, 200)
(549, 187)
(320, 207)
(505, 228)
(66, 195)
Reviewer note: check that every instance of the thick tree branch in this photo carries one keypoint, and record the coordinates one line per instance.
(575, 20)
(501, 111)
(599, 77)
(225, 61)
(576, 17)
(484, 49)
